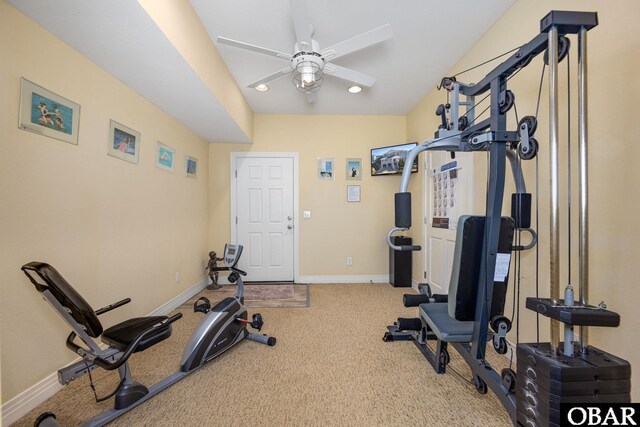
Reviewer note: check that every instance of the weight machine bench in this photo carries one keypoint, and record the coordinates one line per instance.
(453, 321)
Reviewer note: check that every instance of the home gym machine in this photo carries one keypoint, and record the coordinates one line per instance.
(222, 327)
(548, 374)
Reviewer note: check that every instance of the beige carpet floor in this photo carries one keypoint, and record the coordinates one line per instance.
(329, 367)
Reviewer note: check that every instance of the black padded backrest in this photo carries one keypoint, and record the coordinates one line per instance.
(465, 272)
(79, 309)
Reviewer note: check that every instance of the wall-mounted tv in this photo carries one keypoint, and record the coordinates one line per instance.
(390, 160)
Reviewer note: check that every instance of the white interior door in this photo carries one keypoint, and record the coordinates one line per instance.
(447, 195)
(265, 217)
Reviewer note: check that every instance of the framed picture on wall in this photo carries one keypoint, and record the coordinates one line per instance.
(354, 169)
(124, 142)
(46, 113)
(165, 156)
(326, 168)
(353, 193)
(190, 166)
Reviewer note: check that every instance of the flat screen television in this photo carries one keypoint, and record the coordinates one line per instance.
(390, 160)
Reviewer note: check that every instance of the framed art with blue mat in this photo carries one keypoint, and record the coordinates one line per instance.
(124, 142)
(165, 157)
(190, 166)
(48, 114)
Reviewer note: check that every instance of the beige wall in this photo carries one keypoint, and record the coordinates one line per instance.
(337, 229)
(614, 58)
(181, 25)
(113, 229)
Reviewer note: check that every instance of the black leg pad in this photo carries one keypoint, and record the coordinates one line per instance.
(409, 324)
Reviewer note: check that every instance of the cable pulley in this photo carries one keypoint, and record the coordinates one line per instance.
(528, 147)
(563, 49)
(531, 122)
(506, 101)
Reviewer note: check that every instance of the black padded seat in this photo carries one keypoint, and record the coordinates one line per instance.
(444, 326)
(121, 335)
(453, 321)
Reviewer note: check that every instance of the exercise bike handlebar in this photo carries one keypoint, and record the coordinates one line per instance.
(113, 306)
(109, 366)
(237, 270)
(234, 269)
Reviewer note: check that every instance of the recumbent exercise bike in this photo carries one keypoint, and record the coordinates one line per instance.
(223, 326)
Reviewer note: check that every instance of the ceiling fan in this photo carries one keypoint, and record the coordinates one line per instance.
(309, 63)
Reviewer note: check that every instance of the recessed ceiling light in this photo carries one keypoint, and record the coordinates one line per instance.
(355, 89)
(262, 88)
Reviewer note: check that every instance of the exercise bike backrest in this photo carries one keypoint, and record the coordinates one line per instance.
(64, 293)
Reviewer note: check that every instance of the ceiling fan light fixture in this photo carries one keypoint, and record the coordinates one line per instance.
(308, 76)
(355, 89)
(262, 87)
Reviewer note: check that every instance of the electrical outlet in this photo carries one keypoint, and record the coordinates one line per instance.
(177, 276)
(349, 261)
(306, 214)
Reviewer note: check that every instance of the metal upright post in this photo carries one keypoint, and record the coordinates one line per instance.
(554, 223)
(582, 152)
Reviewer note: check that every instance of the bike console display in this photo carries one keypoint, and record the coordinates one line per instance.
(232, 255)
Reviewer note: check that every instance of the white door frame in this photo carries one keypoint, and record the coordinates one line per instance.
(296, 197)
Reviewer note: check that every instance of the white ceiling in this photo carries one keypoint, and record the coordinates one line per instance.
(429, 38)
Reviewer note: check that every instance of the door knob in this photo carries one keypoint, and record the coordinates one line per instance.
(289, 218)
(289, 226)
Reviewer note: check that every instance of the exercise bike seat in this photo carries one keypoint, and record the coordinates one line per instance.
(120, 336)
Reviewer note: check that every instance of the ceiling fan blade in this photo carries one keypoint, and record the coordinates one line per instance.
(301, 24)
(247, 46)
(350, 75)
(312, 97)
(357, 43)
(271, 77)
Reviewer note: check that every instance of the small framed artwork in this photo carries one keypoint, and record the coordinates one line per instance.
(354, 169)
(48, 114)
(124, 142)
(326, 168)
(164, 156)
(353, 193)
(190, 166)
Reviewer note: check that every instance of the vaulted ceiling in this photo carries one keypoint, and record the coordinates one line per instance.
(429, 37)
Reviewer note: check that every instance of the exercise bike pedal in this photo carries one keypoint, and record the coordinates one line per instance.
(257, 321)
(202, 305)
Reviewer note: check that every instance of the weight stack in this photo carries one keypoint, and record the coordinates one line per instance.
(545, 380)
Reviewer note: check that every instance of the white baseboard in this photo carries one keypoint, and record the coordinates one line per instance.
(176, 302)
(16, 408)
(374, 278)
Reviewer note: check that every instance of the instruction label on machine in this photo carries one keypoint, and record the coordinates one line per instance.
(502, 267)
(445, 205)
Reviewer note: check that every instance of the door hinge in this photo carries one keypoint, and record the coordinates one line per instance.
(424, 274)
(236, 220)
(236, 173)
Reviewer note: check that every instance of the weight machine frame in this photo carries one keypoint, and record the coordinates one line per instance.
(492, 135)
